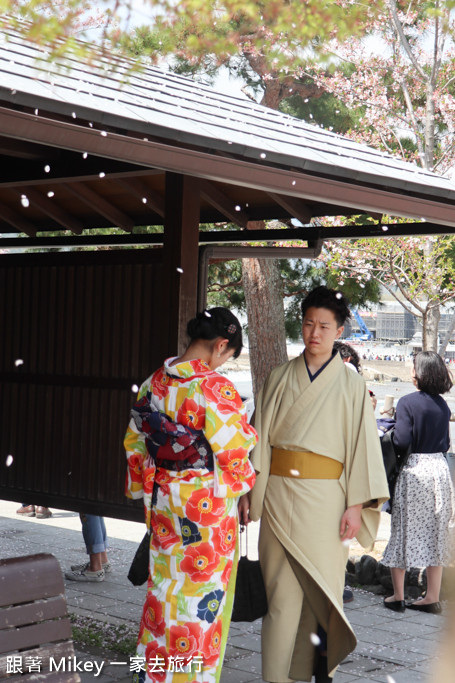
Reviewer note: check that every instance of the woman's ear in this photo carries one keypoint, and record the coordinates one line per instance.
(223, 346)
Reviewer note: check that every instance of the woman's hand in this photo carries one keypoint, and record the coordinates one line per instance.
(244, 509)
(351, 522)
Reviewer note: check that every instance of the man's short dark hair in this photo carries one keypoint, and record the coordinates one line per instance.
(431, 373)
(323, 297)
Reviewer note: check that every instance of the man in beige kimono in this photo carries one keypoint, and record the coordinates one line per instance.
(320, 483)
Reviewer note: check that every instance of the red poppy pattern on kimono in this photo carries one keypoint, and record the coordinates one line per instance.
(192, 513)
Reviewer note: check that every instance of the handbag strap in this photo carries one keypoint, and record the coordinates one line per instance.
(244, 534)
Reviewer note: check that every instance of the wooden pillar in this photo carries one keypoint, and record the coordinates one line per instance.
(181, 255)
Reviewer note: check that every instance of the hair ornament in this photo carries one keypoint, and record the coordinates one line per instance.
(231, 329)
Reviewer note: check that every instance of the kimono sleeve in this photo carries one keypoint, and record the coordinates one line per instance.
(366, 481)
(268, 399)
(230, 436)
(136, 453)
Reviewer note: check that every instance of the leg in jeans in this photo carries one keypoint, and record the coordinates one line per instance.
(94, 533)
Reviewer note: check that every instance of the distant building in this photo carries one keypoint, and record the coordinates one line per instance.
(391, 322)
(394, 323)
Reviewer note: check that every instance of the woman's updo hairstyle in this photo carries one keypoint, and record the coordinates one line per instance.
(217, 322)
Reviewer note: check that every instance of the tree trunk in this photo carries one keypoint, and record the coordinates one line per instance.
(430, 325)
(264, 304)
(261, 278)
(447, 337)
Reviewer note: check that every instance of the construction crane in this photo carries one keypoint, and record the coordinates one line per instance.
(365, 334)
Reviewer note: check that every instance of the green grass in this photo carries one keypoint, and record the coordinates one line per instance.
(91, 633)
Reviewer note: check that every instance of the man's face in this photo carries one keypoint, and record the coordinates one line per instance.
(319, 331)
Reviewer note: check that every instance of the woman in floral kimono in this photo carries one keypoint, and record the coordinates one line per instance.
(187, 449)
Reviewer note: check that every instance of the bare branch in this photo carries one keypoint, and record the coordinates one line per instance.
(410, 108)
(404, 41)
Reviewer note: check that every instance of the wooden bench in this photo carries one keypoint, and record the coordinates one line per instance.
(35, 631)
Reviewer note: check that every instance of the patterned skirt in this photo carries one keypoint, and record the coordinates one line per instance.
(423, 514)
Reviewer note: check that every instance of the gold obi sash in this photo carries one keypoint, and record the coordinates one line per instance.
(304, 465)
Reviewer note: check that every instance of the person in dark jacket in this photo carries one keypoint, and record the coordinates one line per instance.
(423, 512)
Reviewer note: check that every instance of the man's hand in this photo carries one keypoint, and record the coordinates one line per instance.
(350, 522)
(244, 510)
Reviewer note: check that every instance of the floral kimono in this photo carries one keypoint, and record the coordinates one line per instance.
(187, 449)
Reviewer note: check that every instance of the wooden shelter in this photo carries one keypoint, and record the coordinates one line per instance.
(94, 147)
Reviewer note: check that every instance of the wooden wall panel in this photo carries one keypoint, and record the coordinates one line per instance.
(87, 327)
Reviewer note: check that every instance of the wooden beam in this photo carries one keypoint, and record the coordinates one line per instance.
(52, 209)
(180, 255)
(141, 190)
(214, 196)
(420, 201)
(101, 206)
(92, 174)
(23, 150)
(294, 206)
(13, 218)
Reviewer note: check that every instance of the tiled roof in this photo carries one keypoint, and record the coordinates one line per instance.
(169, 106)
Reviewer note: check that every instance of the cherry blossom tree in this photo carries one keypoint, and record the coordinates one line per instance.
(280, 28)
(420, 279)
(399, 76)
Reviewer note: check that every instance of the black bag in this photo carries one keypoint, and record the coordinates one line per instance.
(394, 460)
(139, 570)
(250, 599)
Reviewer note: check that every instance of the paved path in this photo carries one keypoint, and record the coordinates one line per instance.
(391, 647)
